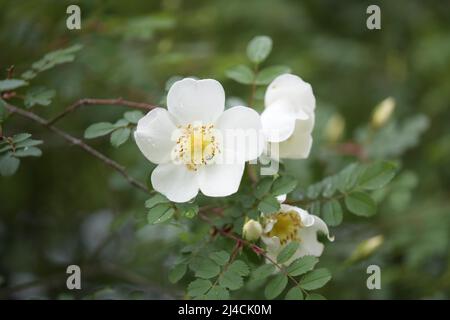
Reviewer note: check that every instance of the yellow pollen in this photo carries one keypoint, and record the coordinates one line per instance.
(286, 226)
(196, 145)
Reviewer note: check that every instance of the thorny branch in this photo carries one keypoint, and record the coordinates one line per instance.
(117, 167)
(100, 102)
(78, 142)
(49, 124)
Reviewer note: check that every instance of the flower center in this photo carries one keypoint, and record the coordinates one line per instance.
(196, 145)
(286, 226)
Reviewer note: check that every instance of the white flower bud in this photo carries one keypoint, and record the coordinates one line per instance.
(334, 128)
(366, 248)
(252, 230)
(383, 112)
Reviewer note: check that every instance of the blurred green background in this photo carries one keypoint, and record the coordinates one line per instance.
(68, 208)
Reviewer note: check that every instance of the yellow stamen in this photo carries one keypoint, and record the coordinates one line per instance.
(286, 226)
(196, 145)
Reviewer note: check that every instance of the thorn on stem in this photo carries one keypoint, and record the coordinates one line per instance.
(10, 71)
(257, 249)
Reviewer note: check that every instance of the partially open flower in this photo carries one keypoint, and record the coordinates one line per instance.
(196, 144)
(288, 118)
(293, 224)
(252, 230)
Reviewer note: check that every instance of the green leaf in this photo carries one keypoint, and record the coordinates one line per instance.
(188, 210)
(315, 296)
(343, 178)
(160, 213)
(267, 75)
(231, 280)
(6, 147)
(353, 177)
(263, 271)
(315, 208)
(198, 287)
(8, 165)
(302, 265)
(121, 123)
(218, 293)
(177, 273)
(133, 116)
(28, 152)
(392, 140)
(195, 262)
(28, 75)
(315, 279)
(20, 137)
(253, 214)
(11, 84)
(23, 145)
(27, 143)
(246, 200)
(259, 48)
(98, 130)
(241, 74)
(330, 186)
(361, 204)
(332, 213)
(156, 199)
(233, 211)
(313, 191)
(275, 286)
(263, 187)
(207, 269)
(39, 96)
(294, 294)
(120, 136)
(287, 252)
(240, 267)
(53, 59)
(220, 257)
(166, 216)
(269, 204)
(377, 175)
(283, 185)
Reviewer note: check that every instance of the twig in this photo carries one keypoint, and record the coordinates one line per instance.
(10, 71)
(352, 149)
(228, 234)
(258, 250)
(116, 102)
(78, 142)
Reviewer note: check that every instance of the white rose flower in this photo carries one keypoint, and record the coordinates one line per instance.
(293, 224)
(193, 144)
(288, 118)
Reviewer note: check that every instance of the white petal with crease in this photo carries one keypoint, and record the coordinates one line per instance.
(278, 121)
(292, 88)
(220, 180)
(176, 182)
(241, 131)
(153, 135)
(192, 100)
